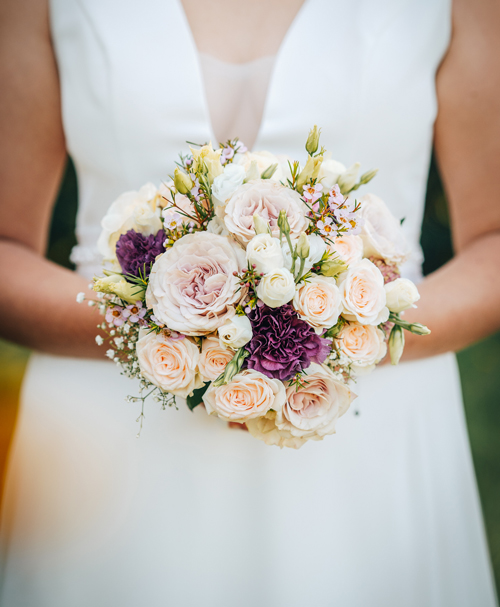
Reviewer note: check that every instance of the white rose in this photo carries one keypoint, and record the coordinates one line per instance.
(137, 211)
(364, 345)
(363, 294)
(213, 359)
(318, 302)
(216, 226)
(235, 333)
(349, 248)
(381, 232)
(276, 288)
(170, 364)
(263, 161)
(330, 171)
(265, 198)
(264, 252)
(401, 294)
(317, 247)
(248, 395)
(226, 184)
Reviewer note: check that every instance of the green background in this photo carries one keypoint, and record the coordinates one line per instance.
(479, 364)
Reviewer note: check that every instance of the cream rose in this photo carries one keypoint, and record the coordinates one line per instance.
(401, 294)
(236, 332)
(226, 184)
(263, 160)
(170, 364)
(364, 345)
(265, 198)
(265, 253)
(312, 410)
(318, 302)
(248, 395)
(264, 428)
(213, 359)
(317, 247)
(381, 232)
(330, 171)
(349, 248)
(363, 294)
(137, 211)
(276, 288)
(192, 288)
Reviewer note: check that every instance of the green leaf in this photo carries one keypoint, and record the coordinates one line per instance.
(197, 397)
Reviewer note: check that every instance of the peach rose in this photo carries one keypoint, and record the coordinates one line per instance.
(169, 363)
(213, 359)
(264, 428)
(312, 410)
(318, 302)
(349, 248)
(265, 198)
(248, 395)
(364, 345)
(363, 294)
(192, 288)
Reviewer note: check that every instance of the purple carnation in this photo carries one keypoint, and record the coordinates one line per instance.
(282, 344)
(136, 252)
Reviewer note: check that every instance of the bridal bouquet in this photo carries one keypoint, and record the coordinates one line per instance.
(255, 286)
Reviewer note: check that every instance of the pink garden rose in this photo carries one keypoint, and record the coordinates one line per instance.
(192, 288)
(363, 294)
(364, 345)
(265, 198)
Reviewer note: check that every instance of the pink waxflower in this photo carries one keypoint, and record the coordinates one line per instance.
(115, 316)
(335, 198)
(135, 312)
(312, 193)
(171, 219)
(325, 226)
(227, 154)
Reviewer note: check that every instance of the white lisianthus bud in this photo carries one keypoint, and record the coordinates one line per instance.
(260, 225)
(264, 252)
(276, 288)
(117, 285)
(303, 246)
(317, 247)
(313, 140)
(396, 344)
(401, 294)
(183, 183)
(235, 333)
(309, 172)
(347, 179)
(253, 172)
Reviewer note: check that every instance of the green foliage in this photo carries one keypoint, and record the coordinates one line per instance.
(197, 397)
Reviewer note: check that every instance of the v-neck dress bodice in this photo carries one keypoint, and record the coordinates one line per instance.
(384, 513)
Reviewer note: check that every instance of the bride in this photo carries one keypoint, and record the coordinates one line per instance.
(385, 513)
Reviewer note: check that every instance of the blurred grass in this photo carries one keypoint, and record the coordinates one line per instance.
(478, 364)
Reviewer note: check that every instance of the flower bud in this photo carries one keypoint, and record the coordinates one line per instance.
(303, 247)
(368, 176)
(333, 267)
(309, 172)
(232, 368)
(115, 284)
(182, 182)
(252, 173)
(260, 225)
(269, 172)
(283, 224)
(313, 140)
(396, 344)
(419, 329)
(401, 294)
(347, 179)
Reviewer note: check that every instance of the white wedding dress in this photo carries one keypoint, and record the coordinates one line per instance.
(383, 514)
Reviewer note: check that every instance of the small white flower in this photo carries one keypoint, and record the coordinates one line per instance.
(276, 288)
(91, 303)
(110, 354)
(80, 297)
(99, 340)
(118, 341)
(236, 333)
(226, 184)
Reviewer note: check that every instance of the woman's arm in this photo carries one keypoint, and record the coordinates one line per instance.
(37, 306)
(460, 302)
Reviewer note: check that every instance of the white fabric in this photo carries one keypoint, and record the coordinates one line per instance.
(385, 513)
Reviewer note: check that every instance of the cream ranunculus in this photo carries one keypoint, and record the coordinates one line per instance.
(192, 288)
(318, 302)
(248, 395)
(349, 248)
(265, 198)
(381, 232)
(363, 294)
(312, 410)
(236, 332)
(213, 359)
(265, 253)
(170, 364)
(364, 345)
(330, 171)
(226, 184)
(276, 288)
(137, 211)
(401, 294)
(263, 161)
(317, 247)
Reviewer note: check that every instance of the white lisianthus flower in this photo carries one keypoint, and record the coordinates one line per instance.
(363, 294)
(401, 294)
(170, 364)
(349, 248)
(317, 247)
(381, 232)
(318, 302)
(248, 395)
(276, 288)
(364, 345)
(137, 211)
(216, 226)
(265, 253)
(235, 333)
(226, 184)
(263, 160)
(330, 171)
